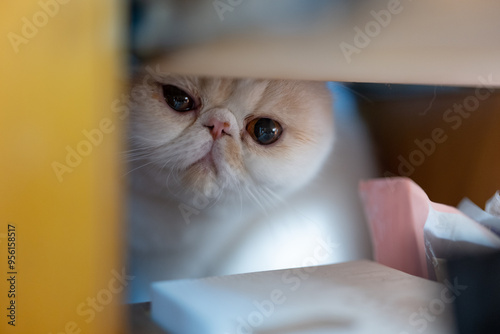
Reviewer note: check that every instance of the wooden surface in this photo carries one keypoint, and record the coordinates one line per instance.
(466, 164)
(424, 42)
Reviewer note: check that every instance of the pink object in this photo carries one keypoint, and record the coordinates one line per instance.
(397, 210)
(217, 128)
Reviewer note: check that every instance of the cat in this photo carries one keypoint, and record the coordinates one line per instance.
(206, 156)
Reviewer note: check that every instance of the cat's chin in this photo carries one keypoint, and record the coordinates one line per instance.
(200, 178)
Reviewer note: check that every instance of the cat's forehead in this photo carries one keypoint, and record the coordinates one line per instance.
(235, 93)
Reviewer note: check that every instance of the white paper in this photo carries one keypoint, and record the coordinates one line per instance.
(353, 297)
(493, 205)
(487, 219)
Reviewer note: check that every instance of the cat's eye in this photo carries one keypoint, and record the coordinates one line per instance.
(178, 99)
(264, 131)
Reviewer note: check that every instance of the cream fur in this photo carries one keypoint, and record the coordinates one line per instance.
(169, 182)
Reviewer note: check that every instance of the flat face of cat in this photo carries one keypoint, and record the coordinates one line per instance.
(255, 139)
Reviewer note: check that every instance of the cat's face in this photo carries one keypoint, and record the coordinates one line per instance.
(235, 137)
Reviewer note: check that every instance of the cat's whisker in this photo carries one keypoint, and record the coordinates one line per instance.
(275, 197)
(140, 140)
(216, 200)
(256, 199)
(171, 173)
(241, 198)
(136, 168)
(165, 163)
(270, 201)
(241, 203)
(140, 153)
(138, 157)
(140, 150)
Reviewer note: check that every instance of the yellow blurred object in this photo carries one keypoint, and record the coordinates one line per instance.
(60, 172)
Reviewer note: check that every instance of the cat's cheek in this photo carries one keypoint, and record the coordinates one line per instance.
(156, 129)
(233, 158)
(260, 169)
(262, 162)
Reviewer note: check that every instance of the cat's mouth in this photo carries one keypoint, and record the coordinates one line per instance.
(207, 162)
(204, 166)
(210, 162)
(215, 167)
(202, 175)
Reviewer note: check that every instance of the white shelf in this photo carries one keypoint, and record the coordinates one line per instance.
(424, 42)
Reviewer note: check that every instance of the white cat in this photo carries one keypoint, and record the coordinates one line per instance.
(208, 156)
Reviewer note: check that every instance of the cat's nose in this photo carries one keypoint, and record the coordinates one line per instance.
(217, 128)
